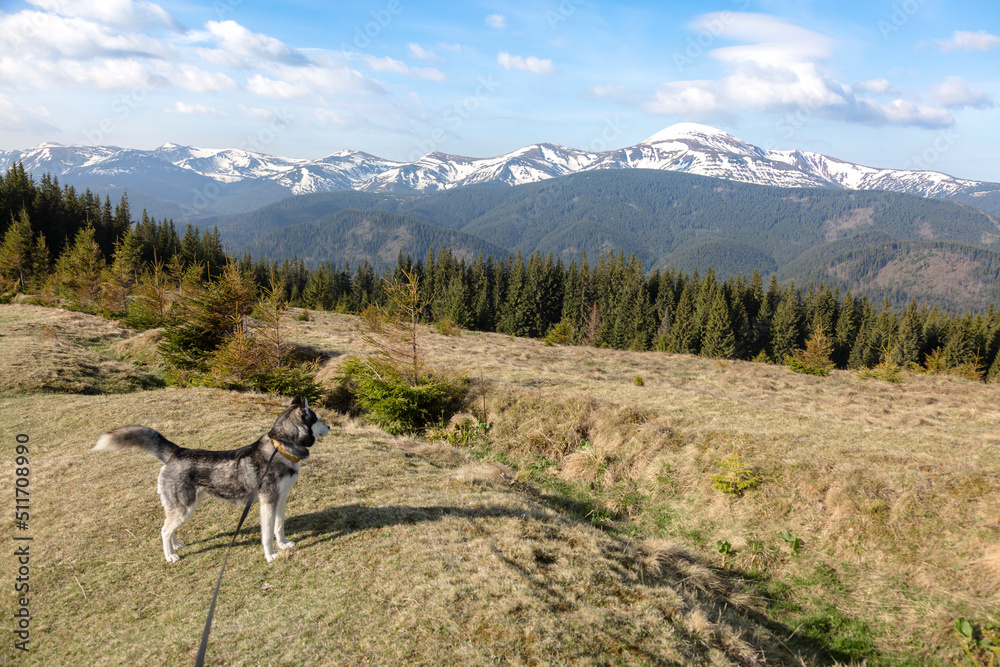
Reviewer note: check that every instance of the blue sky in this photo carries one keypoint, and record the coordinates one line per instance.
(902, 83)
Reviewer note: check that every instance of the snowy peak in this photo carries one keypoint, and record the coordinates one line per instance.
(688, 147)
(688, 131)
(701, 138)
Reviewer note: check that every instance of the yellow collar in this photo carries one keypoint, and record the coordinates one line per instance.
(277, 445)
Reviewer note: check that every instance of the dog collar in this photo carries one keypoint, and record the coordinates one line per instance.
(277, 445)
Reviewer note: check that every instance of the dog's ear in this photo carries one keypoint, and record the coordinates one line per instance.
(297, 401)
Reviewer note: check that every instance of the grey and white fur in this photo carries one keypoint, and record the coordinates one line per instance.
(188, 475)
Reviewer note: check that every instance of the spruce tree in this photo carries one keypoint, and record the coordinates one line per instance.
(718, 340)
(908, 343)
(78, 269)
(684, 328)
(121, 277)
(785, 327)
(23, 256)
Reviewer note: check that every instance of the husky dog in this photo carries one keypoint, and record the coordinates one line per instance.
(188, 475)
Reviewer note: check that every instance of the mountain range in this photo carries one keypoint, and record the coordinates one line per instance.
(187, 183)
(882, 244)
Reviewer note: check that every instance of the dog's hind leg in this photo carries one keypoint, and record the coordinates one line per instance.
(267, 509)
(176, 516)
(197, 501)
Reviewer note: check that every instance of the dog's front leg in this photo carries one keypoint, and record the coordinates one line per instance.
(279, 523)
(267, 529)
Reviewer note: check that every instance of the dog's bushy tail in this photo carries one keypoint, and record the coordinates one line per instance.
(137, 437)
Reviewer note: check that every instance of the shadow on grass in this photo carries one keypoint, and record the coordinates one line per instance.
(335, 522)
(778, 641)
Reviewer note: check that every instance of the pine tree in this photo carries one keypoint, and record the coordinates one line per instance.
(23, 256)
(78, 270)
(153, 296)
(718, 340)
(513, 312)
(816, 358)
(683, 337)
(785, 332)
(204, 321)
(908, 343)
(120, 278)
(846, 331)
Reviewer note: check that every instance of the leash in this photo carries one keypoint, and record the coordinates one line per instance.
(200, 660)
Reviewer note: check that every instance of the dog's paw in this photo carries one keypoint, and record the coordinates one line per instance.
(178, 544)
(270, 557)
(173, 558)
(286, 545)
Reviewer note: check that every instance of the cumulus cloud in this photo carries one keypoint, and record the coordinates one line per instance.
(418, 51)
(496, 21)
(236, 39)
(529, 64)
(193, 109)
(119, 13)
(261, 85)
(781, 66)
(135, 48)
(963, 40)
(955, 92)
(28, 34)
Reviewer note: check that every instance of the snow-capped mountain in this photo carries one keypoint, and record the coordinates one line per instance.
(171, 171)
(440, 171)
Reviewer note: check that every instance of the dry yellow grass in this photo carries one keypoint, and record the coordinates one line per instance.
(407, 552)
(894, 487)
(414, 551)
(53, 350)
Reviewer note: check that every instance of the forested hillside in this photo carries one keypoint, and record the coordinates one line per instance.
(84, 252)
(377, 237)
(684, 222)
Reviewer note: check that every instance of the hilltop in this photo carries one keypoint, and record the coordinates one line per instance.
(579, 527)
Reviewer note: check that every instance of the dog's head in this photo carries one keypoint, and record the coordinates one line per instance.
(298, 425)
(318, 428)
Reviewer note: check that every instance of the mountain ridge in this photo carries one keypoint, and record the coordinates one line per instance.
(216, 181)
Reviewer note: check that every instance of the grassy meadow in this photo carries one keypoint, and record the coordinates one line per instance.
(567, 516)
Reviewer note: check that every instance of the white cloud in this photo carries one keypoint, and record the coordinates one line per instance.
(48, 36)
(496, 21)
(119, 13)
(452, 48)
(781, 67)
(897, 112)
(418, 51)
(236, 39)
(11, 113)
(686, 98)
(258, 113)
(329, 117)
(193, 109)
(388, 64)
(195, 79)
(963, 40)
(880, 86)
(529, 64)
(259, 84)
(955, 92)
